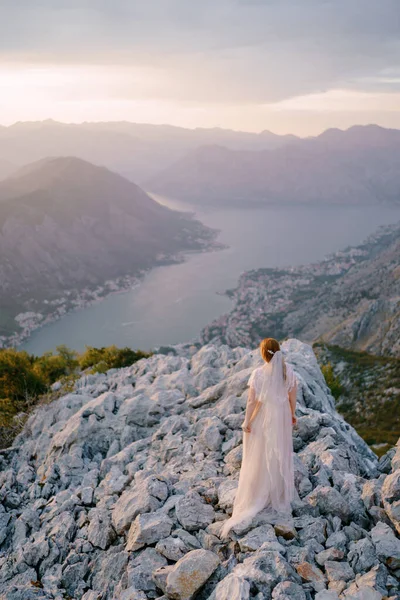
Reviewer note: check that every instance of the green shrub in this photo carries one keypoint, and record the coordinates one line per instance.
(111, 357)
(25, 379)
(332, 380)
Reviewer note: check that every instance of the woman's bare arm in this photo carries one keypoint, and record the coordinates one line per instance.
(252, 408)
(292, 402)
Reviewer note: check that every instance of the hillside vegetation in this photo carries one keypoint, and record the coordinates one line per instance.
(367, 392)
(26, 380)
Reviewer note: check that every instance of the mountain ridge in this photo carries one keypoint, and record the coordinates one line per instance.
(359, 165)
(137, 151)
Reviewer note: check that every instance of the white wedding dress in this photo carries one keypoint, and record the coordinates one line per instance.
(266, 476)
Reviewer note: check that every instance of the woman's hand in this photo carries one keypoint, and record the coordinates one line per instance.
(246, 427)
(294, 420)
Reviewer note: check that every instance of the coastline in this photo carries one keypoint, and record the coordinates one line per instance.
(73, 300)
(271, 298)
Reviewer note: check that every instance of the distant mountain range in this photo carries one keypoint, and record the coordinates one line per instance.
(66, 224)
(358, 166)
(137, 151)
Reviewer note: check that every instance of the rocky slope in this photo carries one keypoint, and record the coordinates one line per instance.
(118, 491)
(356, 166)
(66, 224)
(367, 392)
(350, 299)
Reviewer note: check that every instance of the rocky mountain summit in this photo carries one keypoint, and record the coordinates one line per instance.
(118, 490)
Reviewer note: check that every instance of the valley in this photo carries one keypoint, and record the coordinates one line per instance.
(71, 232)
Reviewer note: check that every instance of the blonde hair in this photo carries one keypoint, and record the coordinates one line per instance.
(268, 347)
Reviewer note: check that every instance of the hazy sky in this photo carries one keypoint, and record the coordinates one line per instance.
(286, 65)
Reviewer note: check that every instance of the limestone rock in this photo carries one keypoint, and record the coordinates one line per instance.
(391, 498)
(193, 513)
(100, 531)
(338, 571)
(146, 496)
(148, 529)
(387, 545)
(311, 574)
(288, 590)
(329, 501)
(285, 530)
(231, 587)
(256, 537)
(190, 573)
(362, 555)
(328, 554)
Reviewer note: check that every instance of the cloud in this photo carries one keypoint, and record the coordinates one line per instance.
(247, 51)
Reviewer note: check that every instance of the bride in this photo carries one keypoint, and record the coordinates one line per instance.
(266, 476)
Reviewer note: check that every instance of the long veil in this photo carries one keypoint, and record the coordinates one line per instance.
(266, 476)
(272, 381)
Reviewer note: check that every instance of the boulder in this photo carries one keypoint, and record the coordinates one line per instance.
(288, 590)
(146, 496)
(387, 545)
(329, 502)
(192, 513)
(231, 587)
(391, 498)
(310, 573)
(190, 573)
(148, 529)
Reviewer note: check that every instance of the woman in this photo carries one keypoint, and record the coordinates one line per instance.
(266, 477)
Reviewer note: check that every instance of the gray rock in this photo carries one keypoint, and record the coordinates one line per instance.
(362, 555)
(107, 569)
(387, 545)
(338, 571)
(327, 595)
(190, 573)
(374, 579)
(173, 548)
(192, 513)
(100, 531)
(288, 590)
(148, 529)
(285, 530)
(226, 493)
(131, 594)
(210, 435)
(232, 587)
(337, 540)
(256, 537)
(160, 577)
(146, 496)
(311, 528)
(310, 573)
(265, 569)
(329, 554)
(391, 498)
(140, 570)
(329, 501)
(365, 593)
(161, 440)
